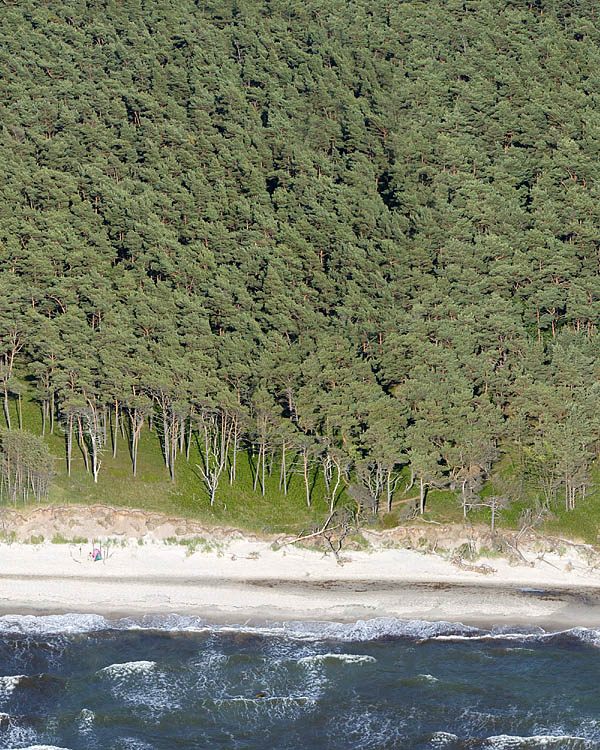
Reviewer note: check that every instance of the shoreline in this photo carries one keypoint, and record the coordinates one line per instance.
(250, 581)
(553, 611)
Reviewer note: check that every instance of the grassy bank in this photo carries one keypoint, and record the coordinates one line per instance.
(239, 505)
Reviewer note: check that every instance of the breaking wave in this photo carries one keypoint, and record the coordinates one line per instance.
(155, 682)
(380, 628)
(128, 668)
(441, 740)
(343, 658)
(565, 742)
(8, 683)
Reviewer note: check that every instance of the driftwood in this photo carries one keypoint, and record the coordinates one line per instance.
(484, 569)
(541, 558)
(577, 545)
(328, 534)
(516, 550)
(314, 534)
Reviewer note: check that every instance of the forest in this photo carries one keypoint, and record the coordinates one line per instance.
(348, 246)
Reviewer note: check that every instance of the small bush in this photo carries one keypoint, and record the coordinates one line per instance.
(489, 552)
(358, 542)
(390, 520)
(465, 551)
(60, 539)
(196, 543)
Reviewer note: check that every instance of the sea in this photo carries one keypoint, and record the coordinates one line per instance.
(83, 682)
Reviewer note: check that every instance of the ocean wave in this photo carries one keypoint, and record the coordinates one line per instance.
(361, 630)
(589, 636)
(442, 739)
(85, 720)
(370, 730)
(8, 683)
(344, 658)
(565, 742)
(379, 628)
(52, 624)
(513, 742)
(127, 668)
(279, 699)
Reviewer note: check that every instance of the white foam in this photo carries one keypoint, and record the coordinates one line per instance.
(128, 668)
(587, 635)
(369, 729)
(359, 631)
(507, 742)
(283, 699)
(52, 624)
(502, 742)
(8, 683)
(142, 684)
(441, 739)
(344, 658)
(86, 720)
(428, 677)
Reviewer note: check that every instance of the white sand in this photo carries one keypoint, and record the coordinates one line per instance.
(248, 580)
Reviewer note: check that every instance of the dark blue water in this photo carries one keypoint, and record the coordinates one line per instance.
(83, 682)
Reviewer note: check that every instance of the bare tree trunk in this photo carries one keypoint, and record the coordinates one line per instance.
(282, 473)
(257, 471)
(94, 434)
(6, 409)
(214, 457)
(335, 487)
(232, 474)
(174, 426)
(82, 445)
(116, 428)
(166, 441)
(305, 472)
(189, 439)
(69, 442)
(134, 449)
(137, 422)
(104, 424)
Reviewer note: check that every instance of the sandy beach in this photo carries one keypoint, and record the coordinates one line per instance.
(238, 579)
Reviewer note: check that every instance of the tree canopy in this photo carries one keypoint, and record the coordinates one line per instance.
(368, 234)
